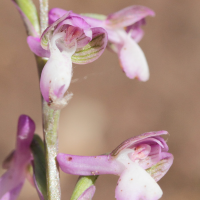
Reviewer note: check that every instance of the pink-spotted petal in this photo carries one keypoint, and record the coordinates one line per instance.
(136, 184)
(133, 61)
(36, 48)
(89, 165)
(128, 16)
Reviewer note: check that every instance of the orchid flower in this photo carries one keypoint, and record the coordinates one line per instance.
(140, 162)
(69, 39)
(124, 31)
(12, 181)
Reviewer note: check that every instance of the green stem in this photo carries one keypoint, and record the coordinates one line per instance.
(44, 6)
(51, 120)
(84, 182)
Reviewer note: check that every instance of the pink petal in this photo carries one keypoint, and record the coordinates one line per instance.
(56, 76)
(49, 31)
(55, 14)
(136, 30)
(93, 22)
(94, 49)
(89, 165)
(88, 194)
(136, 184)
(158, 170)
(133, 61)
(36, 48)
(136, 140)
(153, 158)
(127, 16)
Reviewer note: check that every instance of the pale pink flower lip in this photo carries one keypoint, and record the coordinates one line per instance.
(139, 161)
(12, 181)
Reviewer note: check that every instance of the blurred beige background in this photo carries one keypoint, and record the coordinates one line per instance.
(107, 107)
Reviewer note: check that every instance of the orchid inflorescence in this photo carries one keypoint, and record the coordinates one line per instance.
(69, 38)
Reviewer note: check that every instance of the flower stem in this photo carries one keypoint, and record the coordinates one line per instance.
(51, 120)
(50, 125)
(44, 6)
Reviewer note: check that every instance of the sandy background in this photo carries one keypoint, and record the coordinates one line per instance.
(107, 107)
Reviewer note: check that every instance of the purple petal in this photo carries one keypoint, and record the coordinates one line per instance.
(36, 48)
(133, 61)
(135, 184)
(88, 194)
(8, 160)
(136, 31)
(49, 31)
(128, 16)
(89, 165)
(76, 28)
(94, 22)
(16, 174)
(158, 170)
(25, 132)
(11, 180)
(138, 139)
(13, 194)
(55, 14)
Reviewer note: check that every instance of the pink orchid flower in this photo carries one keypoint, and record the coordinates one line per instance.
(140, 162)
(124, 31)
(12, 181)
(69, 39)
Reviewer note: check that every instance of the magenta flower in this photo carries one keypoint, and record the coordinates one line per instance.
(12, 181)
(140, 162)
(69, 39)
(124, 31)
